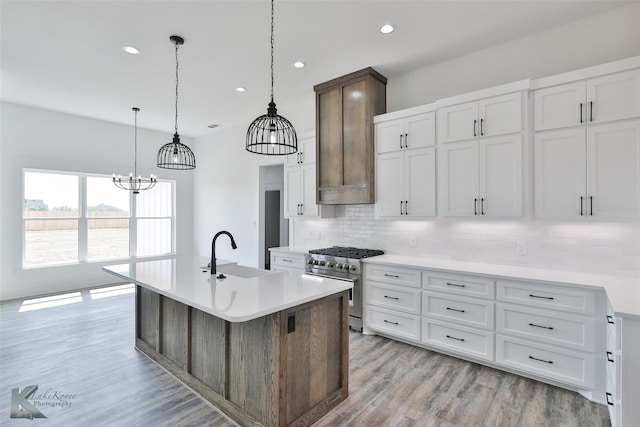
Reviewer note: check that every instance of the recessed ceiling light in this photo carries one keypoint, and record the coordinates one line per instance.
(131, 49)
(387, 28)
(299, 64)
(241, 89)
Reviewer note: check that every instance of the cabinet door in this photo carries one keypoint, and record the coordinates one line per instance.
(560, 106)
(292, 191)
(420, 131)
(500, 115)
(420, 182)
(307, 150)
(308, 188)
(500, 170)
(389, 136)
(390, 184)
(560, 173)
(458, 122)
(613, 170)
(458, 179)
(614, 97)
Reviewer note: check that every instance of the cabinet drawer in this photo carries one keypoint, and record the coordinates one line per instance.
(459, 339)
(467, 311)
(399, 298)
(462, 284)
(564, 329)
(566, 366)
(393, 275)
(546, 296)
(393, 322)
(288, 260)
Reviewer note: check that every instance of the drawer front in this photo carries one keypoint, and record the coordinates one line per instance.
(459, 339)
(471, 312)
(393, 275)
(570, 367)
(393, 297)
(461, 284)
(288, 260)
(286, 268)
(393, 323)
(564, 329)
(554, 297)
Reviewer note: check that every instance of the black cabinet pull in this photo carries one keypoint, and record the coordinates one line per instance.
(482, 206)
(609, 396)
(454, 338)
(387, 321)
(591, 111)
(455, 284)
(538, 296)
(475, 206)
(301, 208)
(550, 362)
(481, 126)
(610, 320)
(581, 213)
(400, 140)
(455, 309)
(609, 358)
(475, 124)
(406, 207)
(401, 203)
(539, 326)
(591, 205)
(394, 298)
(391, 275)
(581, 112)
(406, 144)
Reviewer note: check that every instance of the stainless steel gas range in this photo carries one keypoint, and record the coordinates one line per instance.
(342, 263)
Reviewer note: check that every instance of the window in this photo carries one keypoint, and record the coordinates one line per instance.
(71, 217)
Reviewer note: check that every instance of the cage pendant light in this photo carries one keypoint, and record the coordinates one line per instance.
(175, 155)
(135, 183)
(272, 134)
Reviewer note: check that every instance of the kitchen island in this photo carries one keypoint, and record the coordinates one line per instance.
(267, 349)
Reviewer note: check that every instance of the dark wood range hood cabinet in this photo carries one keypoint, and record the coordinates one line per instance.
(344, 137)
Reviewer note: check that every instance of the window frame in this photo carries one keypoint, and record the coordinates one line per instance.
(83, 220)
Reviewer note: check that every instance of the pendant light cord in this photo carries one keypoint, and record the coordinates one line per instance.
(135, 143)
(271, 50)
(176, 126)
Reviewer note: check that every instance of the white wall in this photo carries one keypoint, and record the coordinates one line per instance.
(232, 181)
(35, 138)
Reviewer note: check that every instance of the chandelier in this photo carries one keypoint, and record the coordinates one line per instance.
(135, 183)
(175, 155)
(272, 134)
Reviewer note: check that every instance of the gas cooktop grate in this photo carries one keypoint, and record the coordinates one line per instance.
(347, 252)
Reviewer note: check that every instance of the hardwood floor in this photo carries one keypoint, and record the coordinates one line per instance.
(85, 349)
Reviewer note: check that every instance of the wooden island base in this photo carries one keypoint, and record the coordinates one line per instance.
(288, 368)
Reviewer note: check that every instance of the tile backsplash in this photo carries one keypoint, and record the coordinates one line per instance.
(587, 246)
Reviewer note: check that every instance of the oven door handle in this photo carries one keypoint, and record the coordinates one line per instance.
(327, 276)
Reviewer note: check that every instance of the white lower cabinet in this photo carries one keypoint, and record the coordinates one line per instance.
(285, 260)
(394, 322)
(460, 339)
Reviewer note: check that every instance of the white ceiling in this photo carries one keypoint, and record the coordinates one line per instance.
(66, 55)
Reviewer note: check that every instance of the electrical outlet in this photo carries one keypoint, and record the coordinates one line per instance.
(521, 248)
(412, 242)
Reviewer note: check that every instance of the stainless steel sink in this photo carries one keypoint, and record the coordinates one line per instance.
(241, 271)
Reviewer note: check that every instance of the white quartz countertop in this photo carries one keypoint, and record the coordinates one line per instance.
(623, 292)
(235, 299)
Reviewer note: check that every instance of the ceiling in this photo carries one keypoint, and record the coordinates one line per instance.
(66, 55)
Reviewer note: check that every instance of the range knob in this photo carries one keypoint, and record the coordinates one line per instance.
(353, 267)
(331, 264)
(310, 262)
(339, 266)
(316, 262)
(322, 263)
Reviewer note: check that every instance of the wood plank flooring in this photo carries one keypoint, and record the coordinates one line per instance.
(86, 349)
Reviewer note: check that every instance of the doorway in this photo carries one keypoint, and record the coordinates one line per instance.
(274, 227)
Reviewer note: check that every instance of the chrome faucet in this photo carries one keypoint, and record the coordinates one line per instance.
(213, 248)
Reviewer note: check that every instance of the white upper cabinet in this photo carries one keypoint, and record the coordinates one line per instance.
(306, 153)
(482, 178)
(597, 100)
(408, 132)
(589, 173)
(493, 116)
